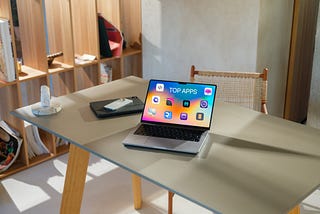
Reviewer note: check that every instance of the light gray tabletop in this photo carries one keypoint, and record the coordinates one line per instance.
(253, 163)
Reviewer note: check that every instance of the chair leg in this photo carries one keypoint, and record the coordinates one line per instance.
(170, 202)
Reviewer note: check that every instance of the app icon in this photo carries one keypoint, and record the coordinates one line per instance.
(186, 103)
(169, 101)
(183, 116)
(168, 115)
(159, 87)
(155, 99)
(207, 91)
(199, 116)
(152, 111)
(203, 104)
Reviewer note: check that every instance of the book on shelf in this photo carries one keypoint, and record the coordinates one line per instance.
(35, 144)
(105, 73)
(61, 142)
(7, 69)
(10, 144)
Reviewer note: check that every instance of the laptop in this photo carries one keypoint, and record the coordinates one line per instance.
(176, 117)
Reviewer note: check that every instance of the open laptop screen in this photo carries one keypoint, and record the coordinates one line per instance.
(179, 103)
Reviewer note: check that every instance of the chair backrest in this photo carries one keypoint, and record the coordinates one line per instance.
(244, 88)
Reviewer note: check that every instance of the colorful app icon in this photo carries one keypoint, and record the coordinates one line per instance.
(199, 116)
(203, 104)
(207, 91)
(159, 87)
(183, 116)
(186, 103)
(167, 115)
(155, 99)
(169, 101)
(152, 111)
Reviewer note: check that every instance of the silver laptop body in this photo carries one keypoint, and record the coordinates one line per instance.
(177, 106)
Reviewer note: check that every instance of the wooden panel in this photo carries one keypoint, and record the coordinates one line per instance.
(31, 90)
(5, 9)
(58, 16)
(116, 68)
(9, 102)
(131, 19)
(87, 77)
(31, 22)
(47, 140)
(132, 65)
(110, 10)
(85, 27)
(301, 59)
(63, 83)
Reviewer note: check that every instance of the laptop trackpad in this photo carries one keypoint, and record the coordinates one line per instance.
(164, 142)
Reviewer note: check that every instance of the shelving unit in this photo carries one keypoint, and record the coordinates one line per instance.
(70, 26)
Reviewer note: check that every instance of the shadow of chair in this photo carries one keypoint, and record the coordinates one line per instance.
(247, 89)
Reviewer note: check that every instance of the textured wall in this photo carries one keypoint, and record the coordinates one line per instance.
(273, 48)
(314, 100)
(217, 34)
(220, 35)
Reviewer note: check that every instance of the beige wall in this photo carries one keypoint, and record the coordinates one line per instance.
(273, 48)
(314, 100)
(244, 35)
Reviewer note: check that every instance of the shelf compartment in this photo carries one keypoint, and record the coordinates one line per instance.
(57, 67)
(130, 16)
(39, 159)
(30, 90)
(17, 166)
(59, 28)
(132, 65)
(62, 83)
(130, 51)
(85, 27)
(28, 73)
(87, 76)
(86, 63)
(32, 33)
(115, 65)
(60, 150)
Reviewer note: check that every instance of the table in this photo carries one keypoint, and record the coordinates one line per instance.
(253, 163)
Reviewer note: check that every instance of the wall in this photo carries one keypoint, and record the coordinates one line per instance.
(217, 34)
(274, 35)
(314, 100)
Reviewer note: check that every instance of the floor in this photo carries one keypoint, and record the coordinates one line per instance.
(38, 190)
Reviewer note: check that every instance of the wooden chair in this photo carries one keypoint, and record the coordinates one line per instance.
(244, 88)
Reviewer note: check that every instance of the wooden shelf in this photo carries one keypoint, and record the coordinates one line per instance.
(28, 73)
(62, 149)
(16, 167)
(69, 26)
(57, 67)
(39, 159)
(131, 51)
(4, 84)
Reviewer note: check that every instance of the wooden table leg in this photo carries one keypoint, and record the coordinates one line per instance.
(75, 180)
(136, 188)
(170, 202)
(295, 210)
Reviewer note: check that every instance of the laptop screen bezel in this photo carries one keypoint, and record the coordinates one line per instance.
(174, 124)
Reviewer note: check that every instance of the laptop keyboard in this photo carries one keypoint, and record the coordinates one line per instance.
(169, 132)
